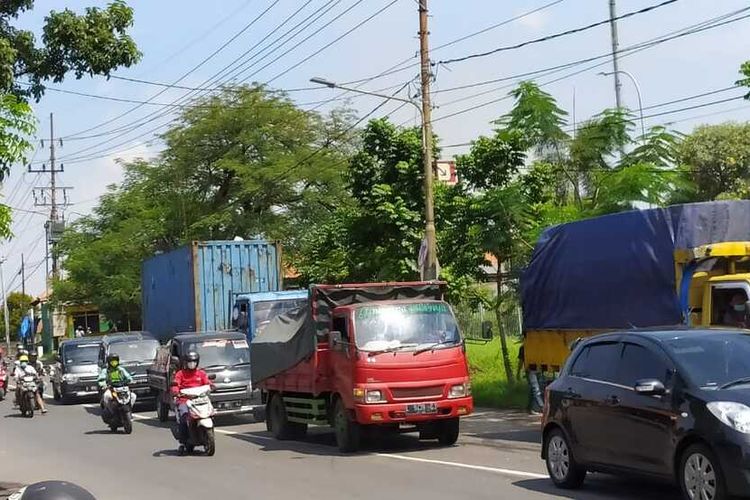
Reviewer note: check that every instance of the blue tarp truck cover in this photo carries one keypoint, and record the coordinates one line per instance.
(617, 271)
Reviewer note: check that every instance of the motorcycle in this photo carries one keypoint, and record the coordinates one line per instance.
(3, 381)
(120, 412)
(200, 421)
(29, 386)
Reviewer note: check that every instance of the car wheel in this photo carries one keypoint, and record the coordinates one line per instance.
(561, 466)
(701, 477)
(162, 408)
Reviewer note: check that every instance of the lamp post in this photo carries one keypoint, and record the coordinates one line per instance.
(638, 91)
(431, 254)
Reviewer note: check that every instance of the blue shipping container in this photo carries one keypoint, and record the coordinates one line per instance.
(190, 288)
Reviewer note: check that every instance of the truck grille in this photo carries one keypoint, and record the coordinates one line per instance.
(434, 391)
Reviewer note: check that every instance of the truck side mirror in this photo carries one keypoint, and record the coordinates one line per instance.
(336, 339)
(486, 330)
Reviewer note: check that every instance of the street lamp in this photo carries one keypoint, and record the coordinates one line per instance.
(638, 91)
(429, 211)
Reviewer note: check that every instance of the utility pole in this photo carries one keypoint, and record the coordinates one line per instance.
(23, 277)
(430, 266)
(615, 51)
(48, 197)
(5, 309)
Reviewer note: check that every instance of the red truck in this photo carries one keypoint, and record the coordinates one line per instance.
(358, 355)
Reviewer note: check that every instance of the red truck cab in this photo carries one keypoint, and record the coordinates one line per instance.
(399, 364)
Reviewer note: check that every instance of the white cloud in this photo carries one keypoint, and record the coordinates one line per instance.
(535, 21)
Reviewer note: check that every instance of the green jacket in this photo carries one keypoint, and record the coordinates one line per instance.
(118, 376)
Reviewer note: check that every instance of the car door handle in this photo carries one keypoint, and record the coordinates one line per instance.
(612, 400)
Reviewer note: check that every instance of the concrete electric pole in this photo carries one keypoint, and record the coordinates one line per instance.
(5, 309)
(615, 50)
(430, 265)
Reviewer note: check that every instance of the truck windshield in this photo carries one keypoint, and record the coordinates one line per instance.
(139, 350)
(221, 352)
(264, 312)
(413, 325)
(81, 354)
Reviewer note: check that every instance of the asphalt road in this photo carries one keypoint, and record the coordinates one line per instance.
(497, 457)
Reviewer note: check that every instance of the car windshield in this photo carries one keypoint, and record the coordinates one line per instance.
(264, 312)
(413, 325)
(81, 354)
(221, 352)
(713, 360)
(139, 350)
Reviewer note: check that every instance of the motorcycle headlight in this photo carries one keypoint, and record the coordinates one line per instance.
(460, 390)
(70, 378)
(735, 415)
(374, 396)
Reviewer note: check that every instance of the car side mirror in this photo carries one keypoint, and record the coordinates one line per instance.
(486, 330)
(650, 387)
(175, 361)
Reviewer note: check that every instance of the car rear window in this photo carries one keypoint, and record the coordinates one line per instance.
(597, 362)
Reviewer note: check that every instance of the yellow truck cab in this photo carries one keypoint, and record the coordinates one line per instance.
(705, 281)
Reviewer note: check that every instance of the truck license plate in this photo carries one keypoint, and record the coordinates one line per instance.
(421, 408)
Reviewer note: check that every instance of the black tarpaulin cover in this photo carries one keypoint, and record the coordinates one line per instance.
(289, 338)
(617, 271)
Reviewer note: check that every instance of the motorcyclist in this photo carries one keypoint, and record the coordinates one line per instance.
(113, 375)
(53, 490)
(22, 369)
(39, 367)
(188, 376)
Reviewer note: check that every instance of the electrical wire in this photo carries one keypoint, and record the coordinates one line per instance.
(558, 35)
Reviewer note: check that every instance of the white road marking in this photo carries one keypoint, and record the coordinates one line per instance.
(496, 470)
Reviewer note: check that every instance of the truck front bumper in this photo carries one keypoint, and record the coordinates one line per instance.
(235, 404)
(398, 413)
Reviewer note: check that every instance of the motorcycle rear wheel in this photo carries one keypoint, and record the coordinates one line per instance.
(30, 405)
(210, 442)
(2, 393)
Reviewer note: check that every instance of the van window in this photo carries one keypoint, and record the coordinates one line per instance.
(597, 362)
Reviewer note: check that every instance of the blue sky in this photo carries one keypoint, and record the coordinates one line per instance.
(176, 35)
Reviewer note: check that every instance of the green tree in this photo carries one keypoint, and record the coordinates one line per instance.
(18, 307)
(717, 160)
(93, 43)
(245, 162)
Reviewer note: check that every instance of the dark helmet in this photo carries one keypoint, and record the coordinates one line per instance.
(55, 490)
(113, 359)
(189, 358)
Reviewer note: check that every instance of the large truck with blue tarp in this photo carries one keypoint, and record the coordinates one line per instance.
(193, 288)
(683, 265)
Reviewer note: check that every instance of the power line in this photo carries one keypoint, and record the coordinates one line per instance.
(192, 70)
(557, 35)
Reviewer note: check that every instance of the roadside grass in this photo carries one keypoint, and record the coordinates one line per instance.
(488, 382)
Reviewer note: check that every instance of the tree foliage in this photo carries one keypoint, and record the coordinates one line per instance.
(18, 307)
(245, 162)
(93, 43)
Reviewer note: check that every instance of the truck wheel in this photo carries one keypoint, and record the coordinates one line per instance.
(162, 408)
(347, 430)
(448, 433)
(277, 421)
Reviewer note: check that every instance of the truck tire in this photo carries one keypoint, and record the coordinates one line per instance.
(348, 432)
(448, 433)
(162, 408)
(277, 421)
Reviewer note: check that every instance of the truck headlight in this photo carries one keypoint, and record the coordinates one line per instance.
(460, 390)
(735, 415)
(374, 396)
(70, 378)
